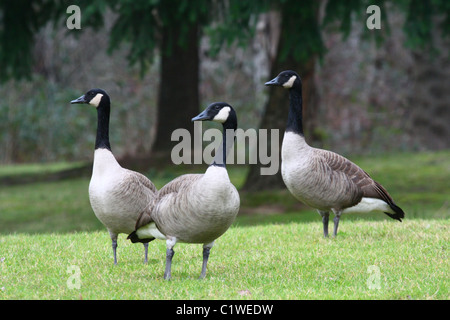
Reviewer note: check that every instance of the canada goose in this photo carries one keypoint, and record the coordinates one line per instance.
(117, 195)
(323, 179)
(195, 208)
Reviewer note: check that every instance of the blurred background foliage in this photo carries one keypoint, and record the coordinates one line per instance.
(161, 61)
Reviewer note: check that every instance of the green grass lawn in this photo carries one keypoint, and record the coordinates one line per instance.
(36, 168)
(368, 260)
(48, 233)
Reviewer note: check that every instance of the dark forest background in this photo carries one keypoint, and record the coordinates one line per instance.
(365, 91)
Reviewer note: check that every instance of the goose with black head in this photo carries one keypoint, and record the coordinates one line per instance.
(117, 195)
(195, 208)
(322, 179)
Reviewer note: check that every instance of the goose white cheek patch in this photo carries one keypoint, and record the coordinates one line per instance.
(288, 84)
(96, 100)
(222, 116)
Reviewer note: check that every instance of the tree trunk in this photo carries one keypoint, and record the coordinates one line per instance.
(178, 99)
(276, 113)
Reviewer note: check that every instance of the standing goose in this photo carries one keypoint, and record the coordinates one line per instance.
(117, 195)
(323, 179)
(195, 208)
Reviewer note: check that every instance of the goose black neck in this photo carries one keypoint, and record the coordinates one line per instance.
(228, 136)
(295, 117)
(103, 111)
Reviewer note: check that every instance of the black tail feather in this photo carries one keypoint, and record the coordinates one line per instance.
(134, 238)
(398, 215)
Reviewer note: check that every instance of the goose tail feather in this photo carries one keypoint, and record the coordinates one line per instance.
(398, 212)
(134, 238)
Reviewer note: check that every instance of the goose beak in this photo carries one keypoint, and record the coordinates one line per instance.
(201, 117)
(273, 82)
(81, 99)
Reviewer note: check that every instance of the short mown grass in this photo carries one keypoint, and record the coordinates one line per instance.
(48, 231)
(368, 260)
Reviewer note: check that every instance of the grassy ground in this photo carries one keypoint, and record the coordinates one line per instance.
(50, 242)
(368, 260)
(35, 168)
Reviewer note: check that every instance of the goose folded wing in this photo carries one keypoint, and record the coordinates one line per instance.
(369, 187)
(143, 180)
(174, 187)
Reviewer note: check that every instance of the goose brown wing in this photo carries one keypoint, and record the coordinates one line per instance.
(365, 184)
(173, 187)
(178, 184)
(140, 178)
(351, 178)
(134, 190)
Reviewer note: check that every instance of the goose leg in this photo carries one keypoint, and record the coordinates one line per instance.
(170, 243)
(325, 218)
(169, 256)
(336, 223)
(206, 249)
(145, 252)
(114, 245)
